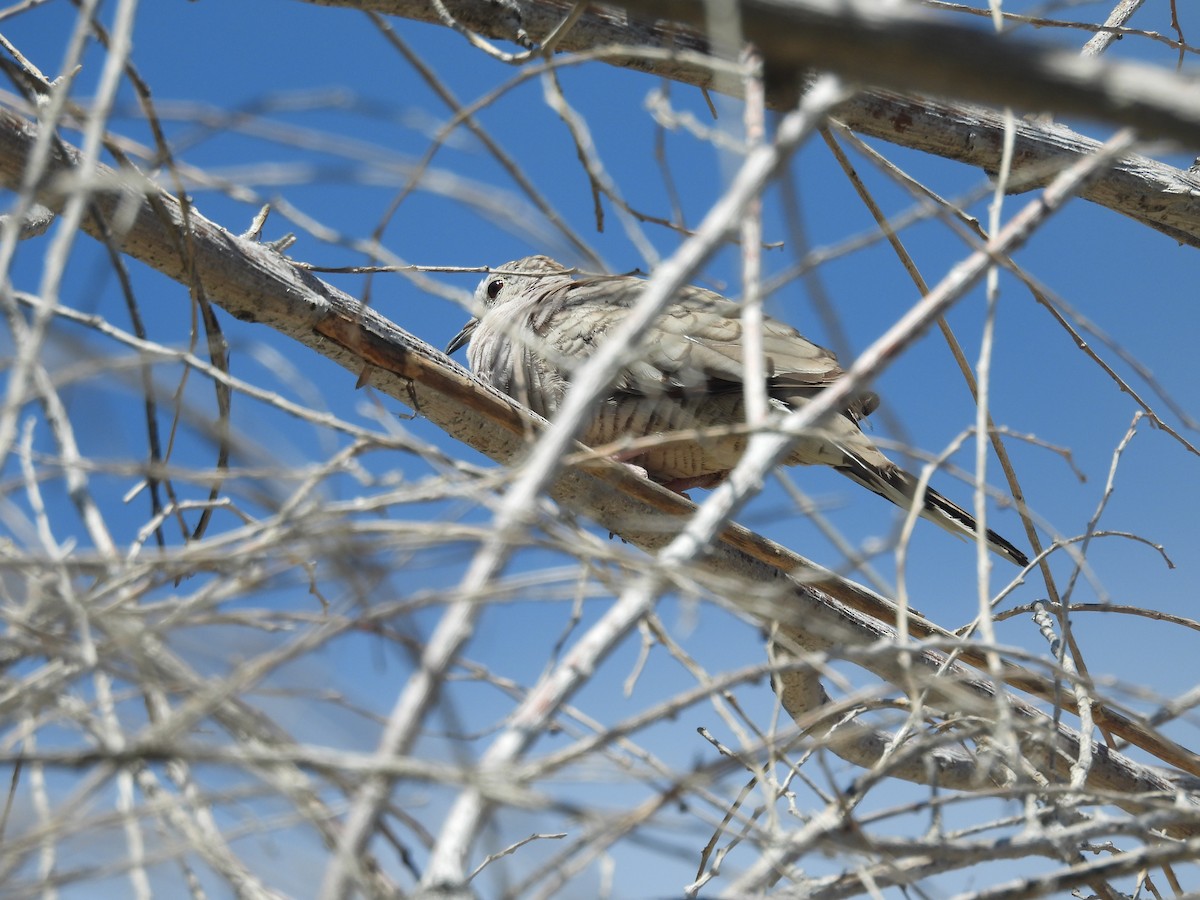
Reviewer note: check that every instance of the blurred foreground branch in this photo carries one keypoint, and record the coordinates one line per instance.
(817, 609)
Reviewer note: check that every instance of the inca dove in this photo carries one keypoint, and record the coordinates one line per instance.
(540, 322)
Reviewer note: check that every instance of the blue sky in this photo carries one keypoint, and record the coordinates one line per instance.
(324, 73)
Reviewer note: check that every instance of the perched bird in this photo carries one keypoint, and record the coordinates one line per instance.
(539, 323)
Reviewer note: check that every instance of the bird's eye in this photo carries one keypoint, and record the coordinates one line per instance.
(493, 288)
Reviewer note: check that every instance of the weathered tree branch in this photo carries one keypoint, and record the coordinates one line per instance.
(899, 51)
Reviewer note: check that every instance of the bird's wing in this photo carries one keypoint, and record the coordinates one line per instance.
(706, 331)
(698, 342)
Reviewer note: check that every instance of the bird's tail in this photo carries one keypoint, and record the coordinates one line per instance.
(898, 486)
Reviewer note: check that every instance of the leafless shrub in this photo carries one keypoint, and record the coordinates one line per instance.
(268, 634)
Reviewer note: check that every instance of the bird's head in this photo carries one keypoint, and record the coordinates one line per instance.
(504, 284)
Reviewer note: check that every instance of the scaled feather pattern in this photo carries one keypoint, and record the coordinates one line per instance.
(540, 323)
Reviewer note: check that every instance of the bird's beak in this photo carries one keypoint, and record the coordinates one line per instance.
(462, 337)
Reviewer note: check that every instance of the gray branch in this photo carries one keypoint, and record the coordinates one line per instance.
(910, 59)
